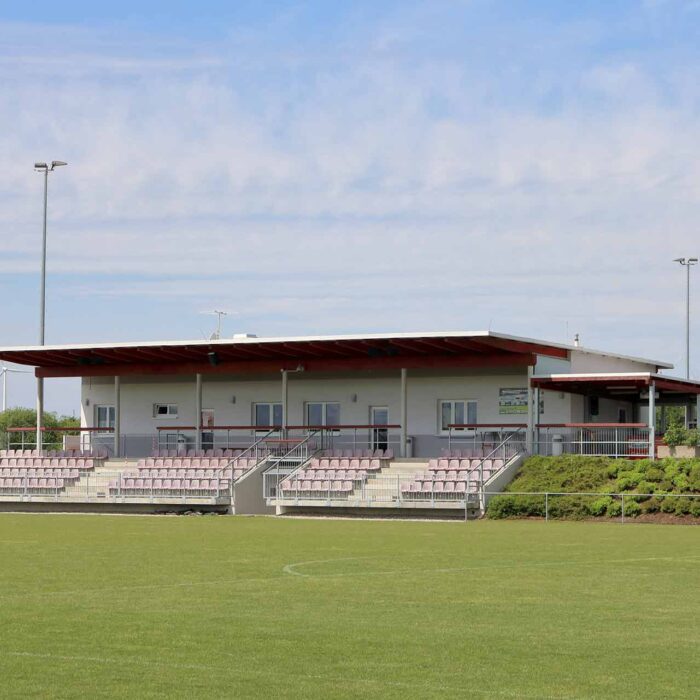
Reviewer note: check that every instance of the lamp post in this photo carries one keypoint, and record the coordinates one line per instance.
(45, 169)
(687, 263)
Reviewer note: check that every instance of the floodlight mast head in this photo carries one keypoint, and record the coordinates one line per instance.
(40, 166)
(57, 163)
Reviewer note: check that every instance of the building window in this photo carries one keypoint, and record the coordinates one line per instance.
(621, 415)
(267, 415)
(322, 413)
(104, 417)
(165, 410)
(458, 412)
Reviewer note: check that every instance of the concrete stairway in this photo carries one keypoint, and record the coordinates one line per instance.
(384, 485)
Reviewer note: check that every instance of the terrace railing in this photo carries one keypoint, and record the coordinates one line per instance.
(593, 439)
(60, 438)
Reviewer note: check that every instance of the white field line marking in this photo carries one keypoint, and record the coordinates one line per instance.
(292, 568)
(261, 672)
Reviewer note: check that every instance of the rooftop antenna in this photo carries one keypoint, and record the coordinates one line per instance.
(219, 314)
(216, 335)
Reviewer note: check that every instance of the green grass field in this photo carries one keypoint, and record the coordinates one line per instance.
(145, 607)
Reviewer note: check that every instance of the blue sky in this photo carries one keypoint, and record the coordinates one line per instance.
(319, 167)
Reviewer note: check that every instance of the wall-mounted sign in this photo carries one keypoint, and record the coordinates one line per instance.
(512, 401)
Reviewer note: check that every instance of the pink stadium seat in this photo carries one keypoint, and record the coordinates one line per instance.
(374, 465)
(389, 454)
(449, 486)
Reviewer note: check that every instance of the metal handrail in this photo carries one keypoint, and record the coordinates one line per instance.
(228, 464)
(289, 453)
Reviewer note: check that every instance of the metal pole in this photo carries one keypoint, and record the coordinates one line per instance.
(652, 419)
(285, 402)
(687, 320)
(42, 293)
(4, 389)
(117, 415)
(404, 411)
(198, 413)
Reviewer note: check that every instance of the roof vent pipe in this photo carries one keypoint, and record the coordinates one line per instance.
(577, 340)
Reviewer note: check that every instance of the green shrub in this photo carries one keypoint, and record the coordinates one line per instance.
(692, 438)
(694, 509)
(600, 506)
(632, 508)
(675, 434)
(654, 474)
(504, 506)
(668, 505)
(680, 481)
(653, 505)
(615, 509)
(644, 487)
(682, 506)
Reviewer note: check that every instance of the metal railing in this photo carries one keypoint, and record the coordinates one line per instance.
(53, 439)
(570, 505)
(286, 463)
(479, 438)
(593, 439)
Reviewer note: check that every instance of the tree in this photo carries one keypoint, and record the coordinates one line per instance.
(26, 418)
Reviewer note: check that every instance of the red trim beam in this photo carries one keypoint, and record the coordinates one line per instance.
(340, 364)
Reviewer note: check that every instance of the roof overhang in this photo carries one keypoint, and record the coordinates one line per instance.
(481, 349)
(622, 386)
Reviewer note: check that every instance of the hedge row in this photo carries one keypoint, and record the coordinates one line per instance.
(635, 478)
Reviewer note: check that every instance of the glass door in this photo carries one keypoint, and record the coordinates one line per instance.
(379, 437)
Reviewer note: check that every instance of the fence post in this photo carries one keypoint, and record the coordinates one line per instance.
(546, 507)
(623, 508)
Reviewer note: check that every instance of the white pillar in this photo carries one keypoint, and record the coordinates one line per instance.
(39, 412)
(404, 412)
(285, 400)
(117, 415)
(697, 411)
(531, 413)
(198, 412)
(652, 419)
(536, 430)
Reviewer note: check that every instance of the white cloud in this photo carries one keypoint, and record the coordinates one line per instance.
(364, 186)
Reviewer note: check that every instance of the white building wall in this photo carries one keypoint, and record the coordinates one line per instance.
(582, 362)
(425, 390)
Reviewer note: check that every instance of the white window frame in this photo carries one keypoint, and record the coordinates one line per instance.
(324, 409)
(271, 405)
(452, 402)
(111, 416)
(168, 415)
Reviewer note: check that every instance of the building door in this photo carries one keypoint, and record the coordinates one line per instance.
(379, 437)
(207, 422)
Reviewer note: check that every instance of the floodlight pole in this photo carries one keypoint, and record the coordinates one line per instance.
(687, 263)
(45, 169)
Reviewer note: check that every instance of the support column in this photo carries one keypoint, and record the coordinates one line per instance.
(697, 411)
(285, 401)
(529, 437)
(198, 413)
(404, 412)
(652, 419)
(117, 415)
(536, 431)
(39, 412)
